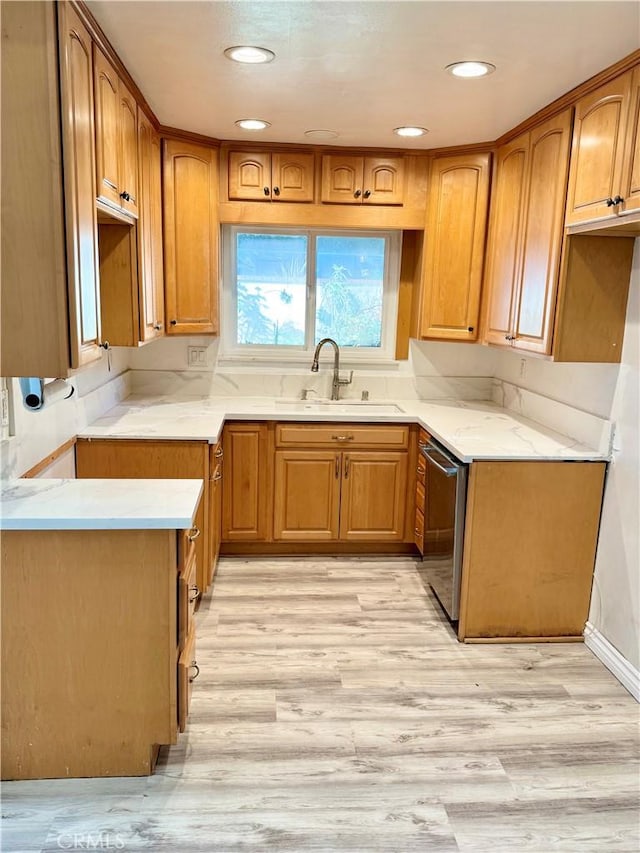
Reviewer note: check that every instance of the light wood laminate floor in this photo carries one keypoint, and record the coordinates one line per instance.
(335, 711)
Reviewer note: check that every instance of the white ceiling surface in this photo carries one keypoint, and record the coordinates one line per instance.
(363, 68)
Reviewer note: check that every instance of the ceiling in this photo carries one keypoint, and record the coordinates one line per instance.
(363, 68)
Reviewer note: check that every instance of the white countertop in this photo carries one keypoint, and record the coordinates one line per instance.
(471, 430)
(98, 504)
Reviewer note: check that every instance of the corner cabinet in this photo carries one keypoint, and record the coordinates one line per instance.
(348, 179)
(525, 241)
(454, 252)
(271, 176)
(190, 185)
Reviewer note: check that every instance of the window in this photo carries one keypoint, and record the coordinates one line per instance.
(284, 290)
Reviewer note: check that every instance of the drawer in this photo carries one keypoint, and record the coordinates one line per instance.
(418, 531)
(188, 593)
(421, 469)
(420, 496)
(188, 671)
(187, 547)
(215, 456)
(342, 435)
(423, 438)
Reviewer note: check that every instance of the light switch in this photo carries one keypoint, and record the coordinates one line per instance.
(197, 356)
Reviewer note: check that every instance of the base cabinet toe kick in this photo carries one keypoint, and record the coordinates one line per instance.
(98, 649)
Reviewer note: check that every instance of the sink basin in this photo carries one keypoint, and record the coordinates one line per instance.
(338, 407)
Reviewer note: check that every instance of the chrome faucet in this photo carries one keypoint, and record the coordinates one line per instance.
(337, 382)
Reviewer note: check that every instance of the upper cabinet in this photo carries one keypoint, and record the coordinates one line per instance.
(601, 156)
(454, 253)
(631, 164)
(190, 181)
(271, 176)
(349, 179)
(116, 138)
(150, 263)
(525, 243)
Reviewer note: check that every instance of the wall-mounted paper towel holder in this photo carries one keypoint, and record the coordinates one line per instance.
(38, 394)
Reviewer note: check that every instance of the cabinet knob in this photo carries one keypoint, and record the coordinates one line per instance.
(266, 190)
(366, 194)
(509, 337)
(157, 326)
(618, 199)
(276, 190)
(125, 195)
(195, 594)
(357, 194)
(104, 345)
(174, 322)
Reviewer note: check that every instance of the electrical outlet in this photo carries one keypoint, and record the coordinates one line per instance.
(523, 367)
(197, 357)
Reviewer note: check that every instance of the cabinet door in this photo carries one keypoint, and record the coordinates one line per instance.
(383, 180)
(597, 151)
(78, 141)
(107, 104)
(502, 270)
(246, 479)
(631, 175)
(542, 235)
(249, 176)
(190, 238)
(455, 235)
(128, 149)
(215, 507)
(374, 495)
(342, 179)
(149, 222)
(292, 176)
(306, 495)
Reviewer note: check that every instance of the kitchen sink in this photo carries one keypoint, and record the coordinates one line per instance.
(339, 407)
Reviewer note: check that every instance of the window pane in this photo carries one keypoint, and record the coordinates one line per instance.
(349, 279)
(271, 288)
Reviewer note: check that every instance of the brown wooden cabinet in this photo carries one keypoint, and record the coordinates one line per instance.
(602, 136)
(523, 258)
(350, 179)
(246, 483)
(91, 682)
(190, 189)
(215, 506)
(631, 160)
(149, 459)
(116, 137)
(271, 176)
(454, 253)
(340, 495)
(528, 562)
(150, 263)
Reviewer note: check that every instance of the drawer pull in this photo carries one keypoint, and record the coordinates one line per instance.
(417, 531)
(342, 437)
(195, 666)
(195, 532)
(422, 445)
(217, 477)
(218, 454)
(196, 594)
(419, 471)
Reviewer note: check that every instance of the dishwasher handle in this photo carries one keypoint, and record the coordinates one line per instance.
(429, 451)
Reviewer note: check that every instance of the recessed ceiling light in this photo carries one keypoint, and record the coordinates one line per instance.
(470, 69)
(249, 54)
(253, 124)
(321, 134)
(410, 131)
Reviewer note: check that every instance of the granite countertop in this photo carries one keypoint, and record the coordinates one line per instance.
(98, 504)
(471, 430)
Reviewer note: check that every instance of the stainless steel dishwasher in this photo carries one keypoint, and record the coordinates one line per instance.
(444, 512)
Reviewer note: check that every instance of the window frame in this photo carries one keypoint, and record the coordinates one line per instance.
(232, 351)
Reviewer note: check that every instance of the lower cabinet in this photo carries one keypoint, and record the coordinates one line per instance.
(307, 495)
(98, 649)
(149, 459)
(529, 549)
(246, 479)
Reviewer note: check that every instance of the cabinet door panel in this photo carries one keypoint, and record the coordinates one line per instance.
(542, 234)
(128, 149)
(191, 238)
(456, 225)
(78, 144)
(631, 178)
(107, 115)
(246, 488)
(383, 180)
(503, 255)
(597, 151)
(292, 177)
(306, 495)
(374, 493)
(342, 179)
(249, 176)
(146, 258)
